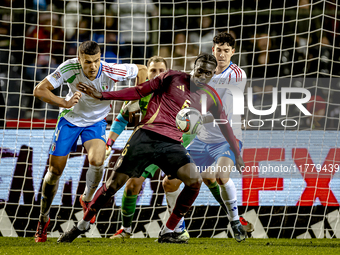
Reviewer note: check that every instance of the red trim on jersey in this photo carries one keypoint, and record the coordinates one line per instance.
(116, 119)
(237, 71)
(115, 73)
(113, 79)
(114, 70)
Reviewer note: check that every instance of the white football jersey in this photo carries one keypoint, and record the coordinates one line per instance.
(89, 110)
(231, 76)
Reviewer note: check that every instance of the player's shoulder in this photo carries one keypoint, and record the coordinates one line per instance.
(169, 74)
(118, 68)
(237, 72)
(175, 73)
(71, 65)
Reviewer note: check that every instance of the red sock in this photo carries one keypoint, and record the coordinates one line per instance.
(183, 204)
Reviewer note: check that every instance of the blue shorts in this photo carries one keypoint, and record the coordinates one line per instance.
(205, 154)
(66, 135)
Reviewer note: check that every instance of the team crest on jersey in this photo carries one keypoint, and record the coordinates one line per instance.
(105, 86)
(181, 87)
(53, 147)
(56, 75)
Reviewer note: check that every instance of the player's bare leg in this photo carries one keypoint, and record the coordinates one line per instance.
(96, 153)
(48, 192)
(171, 188)
(192, 180)
(229, 196)
(100, 199)
(129, 200)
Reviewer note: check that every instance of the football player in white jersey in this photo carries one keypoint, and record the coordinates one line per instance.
(80, 115)
(210, 147)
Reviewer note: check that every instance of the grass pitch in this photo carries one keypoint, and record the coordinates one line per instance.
(148, 246)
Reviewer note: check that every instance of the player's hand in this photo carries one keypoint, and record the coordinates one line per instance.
(73, 101)
(109, 144)
(108, 151)
(89, 90)
(239, 164)
(131, 106)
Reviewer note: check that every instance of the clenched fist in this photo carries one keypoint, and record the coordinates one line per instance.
(73, 101)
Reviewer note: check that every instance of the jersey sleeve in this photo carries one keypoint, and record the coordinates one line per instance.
(136, 92)
(239, 79)
(62, 73)
(120, 72)
(218, 111)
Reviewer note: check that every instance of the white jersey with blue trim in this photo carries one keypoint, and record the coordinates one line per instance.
(89, 110)
(231, 76)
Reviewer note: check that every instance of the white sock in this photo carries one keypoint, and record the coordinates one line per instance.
(93, 177)
(83, 225)
(178, 228)
(228, 195)
(171, 198)
(166, 230)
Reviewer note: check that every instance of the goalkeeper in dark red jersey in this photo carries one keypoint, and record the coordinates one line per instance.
(156, 140)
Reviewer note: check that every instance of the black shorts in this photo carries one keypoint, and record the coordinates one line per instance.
(145, 148)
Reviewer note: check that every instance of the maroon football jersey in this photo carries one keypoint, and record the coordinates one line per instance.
(173, 91)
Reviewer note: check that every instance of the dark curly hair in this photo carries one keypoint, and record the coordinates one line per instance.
(224, 38)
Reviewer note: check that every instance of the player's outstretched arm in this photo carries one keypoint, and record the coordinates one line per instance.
(89, 90)
(219, 113)
(43, 91)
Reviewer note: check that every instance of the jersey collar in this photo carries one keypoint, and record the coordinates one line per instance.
(227, 67)
(100, 70)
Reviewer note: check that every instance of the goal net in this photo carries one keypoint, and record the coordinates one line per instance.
(290, 187)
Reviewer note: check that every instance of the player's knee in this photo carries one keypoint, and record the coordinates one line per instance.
(132, 188)
(222, 181)
(171, 185)
(167, 185)
(51, 178)
(194, 183)
(209, 181)
(96, 162)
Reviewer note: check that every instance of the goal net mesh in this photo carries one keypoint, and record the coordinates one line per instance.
(290, 186)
